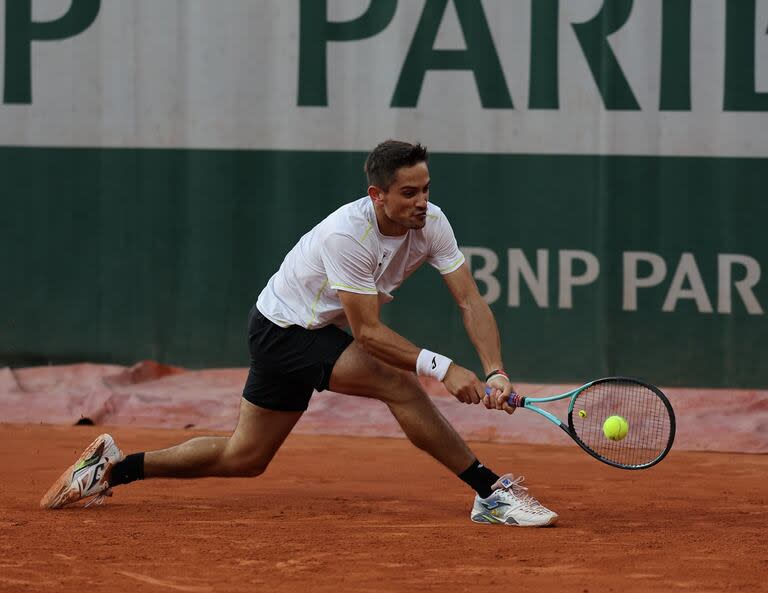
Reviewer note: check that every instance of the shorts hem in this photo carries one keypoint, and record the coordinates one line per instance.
(274, 406)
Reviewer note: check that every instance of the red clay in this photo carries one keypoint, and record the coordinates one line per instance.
(365, 515)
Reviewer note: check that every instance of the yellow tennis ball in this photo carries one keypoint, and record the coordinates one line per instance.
(582, 413)
(615, 428)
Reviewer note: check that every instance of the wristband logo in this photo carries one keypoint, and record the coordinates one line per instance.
(434, 362)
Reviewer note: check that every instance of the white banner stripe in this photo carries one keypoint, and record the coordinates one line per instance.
(224, 75)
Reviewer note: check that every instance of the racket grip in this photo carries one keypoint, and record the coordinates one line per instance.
(513, 400)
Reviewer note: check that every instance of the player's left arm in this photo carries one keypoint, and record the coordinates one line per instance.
(483, 332)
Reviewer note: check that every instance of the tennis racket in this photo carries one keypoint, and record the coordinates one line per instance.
(650, 420)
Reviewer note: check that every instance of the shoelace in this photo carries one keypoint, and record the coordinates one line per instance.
(526, 500)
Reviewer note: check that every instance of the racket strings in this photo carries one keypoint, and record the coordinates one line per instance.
(648, 419)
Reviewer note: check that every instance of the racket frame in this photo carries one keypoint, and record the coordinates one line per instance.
(529, 403)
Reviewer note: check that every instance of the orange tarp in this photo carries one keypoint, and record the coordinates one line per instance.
(153, 395)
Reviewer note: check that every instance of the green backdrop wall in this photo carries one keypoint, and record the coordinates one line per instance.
(115, 255)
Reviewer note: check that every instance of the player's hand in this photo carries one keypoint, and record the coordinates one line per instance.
(498, 399)
(463, 384)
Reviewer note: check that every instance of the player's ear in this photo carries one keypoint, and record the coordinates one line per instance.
(376, 194)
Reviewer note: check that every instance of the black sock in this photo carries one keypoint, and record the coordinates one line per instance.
(480, 478)
(128, 470)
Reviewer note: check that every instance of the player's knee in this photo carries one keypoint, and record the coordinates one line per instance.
(402, 387)
(240, 464)
(254, 469)
(249, 468)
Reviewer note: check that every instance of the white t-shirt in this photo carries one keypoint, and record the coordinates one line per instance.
(347, 252)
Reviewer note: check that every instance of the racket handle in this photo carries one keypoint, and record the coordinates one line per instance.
(514, 399)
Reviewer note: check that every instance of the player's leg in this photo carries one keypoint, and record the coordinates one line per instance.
(358, 373)
(270, 407)
(500, 500)
(277, 391)
(247, 452)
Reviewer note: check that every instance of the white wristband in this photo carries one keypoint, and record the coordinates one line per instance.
(431, 364)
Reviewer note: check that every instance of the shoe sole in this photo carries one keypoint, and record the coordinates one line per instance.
(63, 491)
(484, 521)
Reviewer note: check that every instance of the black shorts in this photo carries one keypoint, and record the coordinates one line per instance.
(288, 363)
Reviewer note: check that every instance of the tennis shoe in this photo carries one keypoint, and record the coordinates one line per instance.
(87, 477)
(510, 504)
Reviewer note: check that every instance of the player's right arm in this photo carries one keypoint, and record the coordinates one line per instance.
(376, 338)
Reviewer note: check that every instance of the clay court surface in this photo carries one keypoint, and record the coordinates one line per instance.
(370, 514)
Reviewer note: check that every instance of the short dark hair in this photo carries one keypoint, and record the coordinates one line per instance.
(382, 164)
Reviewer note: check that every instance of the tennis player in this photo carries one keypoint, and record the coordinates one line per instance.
(339, 274)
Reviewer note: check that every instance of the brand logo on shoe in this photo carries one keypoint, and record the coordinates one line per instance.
(495, 504)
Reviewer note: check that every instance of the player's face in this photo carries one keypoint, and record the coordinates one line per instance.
(404, 204)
